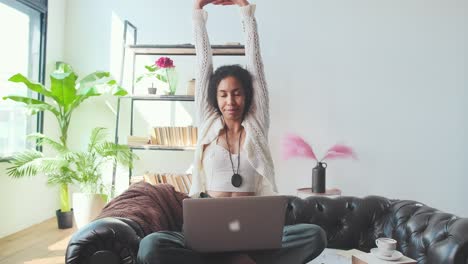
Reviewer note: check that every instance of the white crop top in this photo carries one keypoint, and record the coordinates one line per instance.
(218, 170)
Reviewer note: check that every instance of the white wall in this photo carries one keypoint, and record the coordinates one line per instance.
(387, 77)
(28, 201)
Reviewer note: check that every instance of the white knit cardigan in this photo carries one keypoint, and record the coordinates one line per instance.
(256, 123)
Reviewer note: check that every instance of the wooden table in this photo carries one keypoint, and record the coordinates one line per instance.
(307, 192)
(368, 258)
(354, 256)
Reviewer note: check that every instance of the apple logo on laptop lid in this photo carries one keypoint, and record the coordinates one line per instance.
(234, 225)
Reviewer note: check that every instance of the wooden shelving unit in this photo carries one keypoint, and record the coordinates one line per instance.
(147, 50)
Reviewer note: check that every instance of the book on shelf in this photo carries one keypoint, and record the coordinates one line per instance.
(180, 139)
(174, 136)
(188, 177)
(185, 182)
(172, 182)
(157, 136)
(163, 135)
(187, 140)
(189, 136)
(181, 182)
(169, 136)
(158, 178)
(149, 178)
(194, 136)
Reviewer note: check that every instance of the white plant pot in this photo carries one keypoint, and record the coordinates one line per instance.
(86, 207)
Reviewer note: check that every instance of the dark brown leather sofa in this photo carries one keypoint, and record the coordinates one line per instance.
(423, 233)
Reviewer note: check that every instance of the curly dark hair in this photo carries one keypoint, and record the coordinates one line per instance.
(236, 71)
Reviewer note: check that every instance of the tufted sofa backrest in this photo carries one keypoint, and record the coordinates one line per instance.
(423, 233)
(349, 222)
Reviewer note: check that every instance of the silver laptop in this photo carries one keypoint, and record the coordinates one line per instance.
(234, 224)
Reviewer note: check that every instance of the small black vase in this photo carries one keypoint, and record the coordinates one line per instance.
(318, 177)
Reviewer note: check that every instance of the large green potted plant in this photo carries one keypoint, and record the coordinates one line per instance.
(63, 97)
(87, 167)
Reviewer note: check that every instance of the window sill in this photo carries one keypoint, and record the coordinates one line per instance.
(5, 159)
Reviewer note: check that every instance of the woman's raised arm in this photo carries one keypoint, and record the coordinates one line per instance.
(261, 100)
(204, 67)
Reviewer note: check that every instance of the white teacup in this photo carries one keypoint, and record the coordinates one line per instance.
(386, 246)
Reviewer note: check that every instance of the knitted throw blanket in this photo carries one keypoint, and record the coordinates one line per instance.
(153, 207)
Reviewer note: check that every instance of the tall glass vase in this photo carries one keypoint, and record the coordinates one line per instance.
(172, 80)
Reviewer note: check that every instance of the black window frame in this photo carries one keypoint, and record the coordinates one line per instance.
(40, 6)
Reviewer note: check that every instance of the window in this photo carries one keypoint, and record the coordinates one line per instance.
(22, 50)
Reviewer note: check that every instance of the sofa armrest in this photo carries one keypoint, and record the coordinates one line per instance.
(426, 234)
(107, 240)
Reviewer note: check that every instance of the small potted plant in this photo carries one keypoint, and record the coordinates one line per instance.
(163, 71)
(87, 169)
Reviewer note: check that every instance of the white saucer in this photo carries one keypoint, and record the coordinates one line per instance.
(395, 256)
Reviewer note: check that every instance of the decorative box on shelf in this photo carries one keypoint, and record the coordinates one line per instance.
(137, 140)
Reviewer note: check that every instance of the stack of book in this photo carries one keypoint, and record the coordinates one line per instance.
(181, 182)
(174, 136)
(136, 141)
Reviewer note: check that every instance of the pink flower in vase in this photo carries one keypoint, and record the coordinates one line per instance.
(339, 151)
(164, 62)
(162, 70)
(295, 146)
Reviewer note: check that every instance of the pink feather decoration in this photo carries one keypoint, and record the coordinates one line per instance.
(340, 151)
(295, 146)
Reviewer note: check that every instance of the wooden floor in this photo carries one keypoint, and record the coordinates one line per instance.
(43, 243)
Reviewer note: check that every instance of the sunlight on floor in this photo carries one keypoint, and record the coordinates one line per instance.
(40, 244)
(60, 245)
(54, 249)
(49, 260)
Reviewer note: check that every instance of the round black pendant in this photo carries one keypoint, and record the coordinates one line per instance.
(236, 180)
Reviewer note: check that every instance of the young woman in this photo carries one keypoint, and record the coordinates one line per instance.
(233, 116)
(232, 157)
